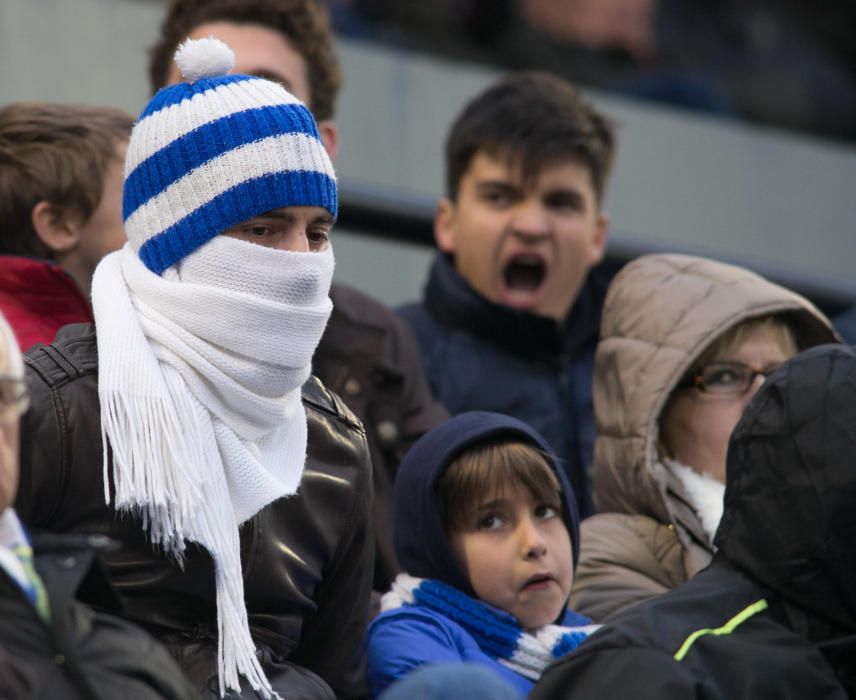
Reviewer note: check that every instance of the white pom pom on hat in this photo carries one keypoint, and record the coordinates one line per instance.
(204, 58)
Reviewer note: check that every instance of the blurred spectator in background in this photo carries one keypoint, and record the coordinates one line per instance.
(845, 324)
(776, 62)
(60, 208)
(367, 354)
(510, 314)
(685, 343)
(51, 644)
(774, 615)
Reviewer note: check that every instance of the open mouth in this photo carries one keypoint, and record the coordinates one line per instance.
(524, 273)
(538, 581)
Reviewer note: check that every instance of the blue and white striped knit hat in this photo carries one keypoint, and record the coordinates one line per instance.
(217, 150)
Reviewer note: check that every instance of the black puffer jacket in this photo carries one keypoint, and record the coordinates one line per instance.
(79, 653)
(774, 615)
(307, 559)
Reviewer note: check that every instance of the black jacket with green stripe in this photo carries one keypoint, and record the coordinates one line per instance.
(718, 636)
(774, 615)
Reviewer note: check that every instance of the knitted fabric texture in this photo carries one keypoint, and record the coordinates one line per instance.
(497, 632)
(199, 382)
(207, 155)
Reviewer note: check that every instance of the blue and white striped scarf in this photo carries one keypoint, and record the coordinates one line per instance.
(497, 632)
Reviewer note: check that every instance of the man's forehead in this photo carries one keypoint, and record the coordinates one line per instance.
(291, 212)
(513, 168)
(259, 50)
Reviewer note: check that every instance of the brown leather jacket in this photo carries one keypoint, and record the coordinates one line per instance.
(369, 357)
(661, 313)
(307, 559)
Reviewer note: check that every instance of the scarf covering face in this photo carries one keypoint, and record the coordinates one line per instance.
(497, 632)
(200, 372)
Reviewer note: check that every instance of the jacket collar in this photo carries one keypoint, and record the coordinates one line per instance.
(452, 301)
(41, 284)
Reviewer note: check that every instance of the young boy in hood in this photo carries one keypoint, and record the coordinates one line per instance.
(487, 531)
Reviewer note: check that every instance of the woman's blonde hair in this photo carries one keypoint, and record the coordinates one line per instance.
(777, 327)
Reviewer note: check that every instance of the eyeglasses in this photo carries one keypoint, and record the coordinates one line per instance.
(725, 378)
(14, 393)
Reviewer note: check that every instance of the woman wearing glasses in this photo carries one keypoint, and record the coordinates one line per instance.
(685, 343)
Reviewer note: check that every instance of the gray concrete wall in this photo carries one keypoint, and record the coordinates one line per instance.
(779, 203)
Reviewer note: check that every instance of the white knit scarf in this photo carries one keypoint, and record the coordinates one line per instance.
(199, 381)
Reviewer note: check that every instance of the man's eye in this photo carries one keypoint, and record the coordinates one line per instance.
(257, 230)
(320, 236)
(496, 197)
(566, 201)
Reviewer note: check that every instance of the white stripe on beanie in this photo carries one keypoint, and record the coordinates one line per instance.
(177, 120)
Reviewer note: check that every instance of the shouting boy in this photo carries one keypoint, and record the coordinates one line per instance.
(486, 529)
(510, 317)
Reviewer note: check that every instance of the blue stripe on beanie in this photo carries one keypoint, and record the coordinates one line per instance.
(168, 96)
(240, 203)
(188, 152)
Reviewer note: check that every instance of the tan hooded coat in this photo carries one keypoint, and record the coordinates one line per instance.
(661, 313)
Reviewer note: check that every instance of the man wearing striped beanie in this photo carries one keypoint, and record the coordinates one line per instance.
(206, 324)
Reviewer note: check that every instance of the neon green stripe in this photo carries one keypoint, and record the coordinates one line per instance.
(727, 628)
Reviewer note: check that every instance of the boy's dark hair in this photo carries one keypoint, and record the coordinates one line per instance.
(532, 119)
(55, 153)
(304, 23)
(488, 469)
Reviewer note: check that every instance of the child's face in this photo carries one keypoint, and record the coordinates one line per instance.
(516, 553)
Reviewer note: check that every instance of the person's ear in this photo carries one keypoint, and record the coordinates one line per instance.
(601, 236)
(445, 225)
(329, 134)
(56, 229)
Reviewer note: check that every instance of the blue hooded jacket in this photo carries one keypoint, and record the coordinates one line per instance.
(410, 636)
